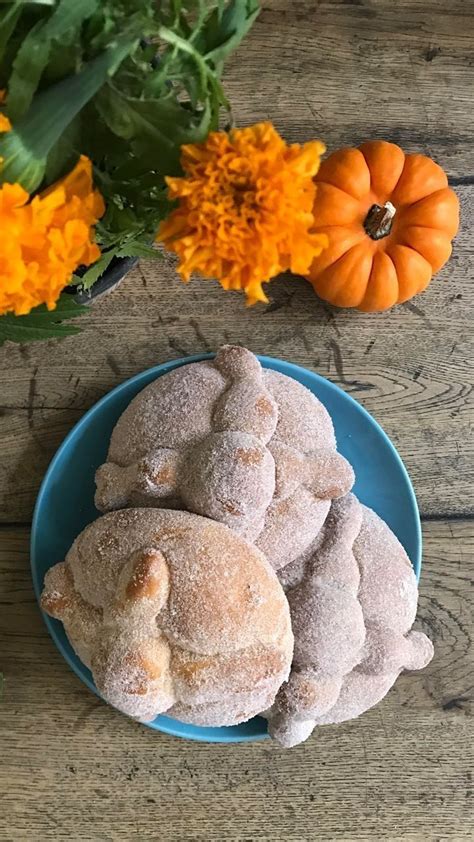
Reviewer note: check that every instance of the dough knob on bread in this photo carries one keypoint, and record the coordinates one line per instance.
(133, 675)
(325, 473)
(230, 478)
(152, 478)
(419, 651)
(144, 580)
(61, 600)
(238, 363)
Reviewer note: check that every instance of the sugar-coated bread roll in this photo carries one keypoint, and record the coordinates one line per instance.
(173, 612)
(353, 602)
(224, 438)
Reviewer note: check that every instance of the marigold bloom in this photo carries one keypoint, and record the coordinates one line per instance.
(5, 124)
(44, 240)
(245, 209)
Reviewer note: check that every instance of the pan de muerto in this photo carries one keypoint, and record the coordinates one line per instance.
(224, 438)
(173, 613)
(353, 602)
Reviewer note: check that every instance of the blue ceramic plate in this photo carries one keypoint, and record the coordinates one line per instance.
(65, 502)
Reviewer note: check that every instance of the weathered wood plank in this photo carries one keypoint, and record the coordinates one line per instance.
(72, 768)
(348, 71)
(412, 367)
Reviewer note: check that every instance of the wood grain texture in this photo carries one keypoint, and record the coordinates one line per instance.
(350, 70)
(411, 367)
(72, 768)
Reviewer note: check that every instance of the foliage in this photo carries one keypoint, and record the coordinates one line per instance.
(125, 82)
(42, 323)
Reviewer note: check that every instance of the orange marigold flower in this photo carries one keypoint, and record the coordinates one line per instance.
(5, 124)
(46, 238)
(245, 209)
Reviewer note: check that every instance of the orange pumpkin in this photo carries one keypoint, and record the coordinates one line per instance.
(389, 218)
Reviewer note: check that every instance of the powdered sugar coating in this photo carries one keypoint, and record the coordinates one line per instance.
(352, 602)
(175, 409)
(230, 477)
(290, 526)
(303, 422)
(230, 441)
(170, 609)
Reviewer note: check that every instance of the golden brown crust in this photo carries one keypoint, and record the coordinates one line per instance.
(171, 609)
(149, 576)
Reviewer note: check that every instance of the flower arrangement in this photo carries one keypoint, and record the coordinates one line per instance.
(110, 140)
(98, 98)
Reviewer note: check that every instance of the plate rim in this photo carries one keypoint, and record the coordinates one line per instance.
(164, 368)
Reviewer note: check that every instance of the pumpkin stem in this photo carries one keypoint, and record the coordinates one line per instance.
(379, 220)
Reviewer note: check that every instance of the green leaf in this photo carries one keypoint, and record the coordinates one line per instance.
(8, 22)
(119, 223)
(42, 323)
(126, 247)
(91, 275)
(65, 152)
(225, 30)
(155, 129)
(65, 59)
(185, 46)
(137, 249)
(33, 55)
(26, 147)
(27, 68)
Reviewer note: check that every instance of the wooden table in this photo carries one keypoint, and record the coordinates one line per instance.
(72, 768)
